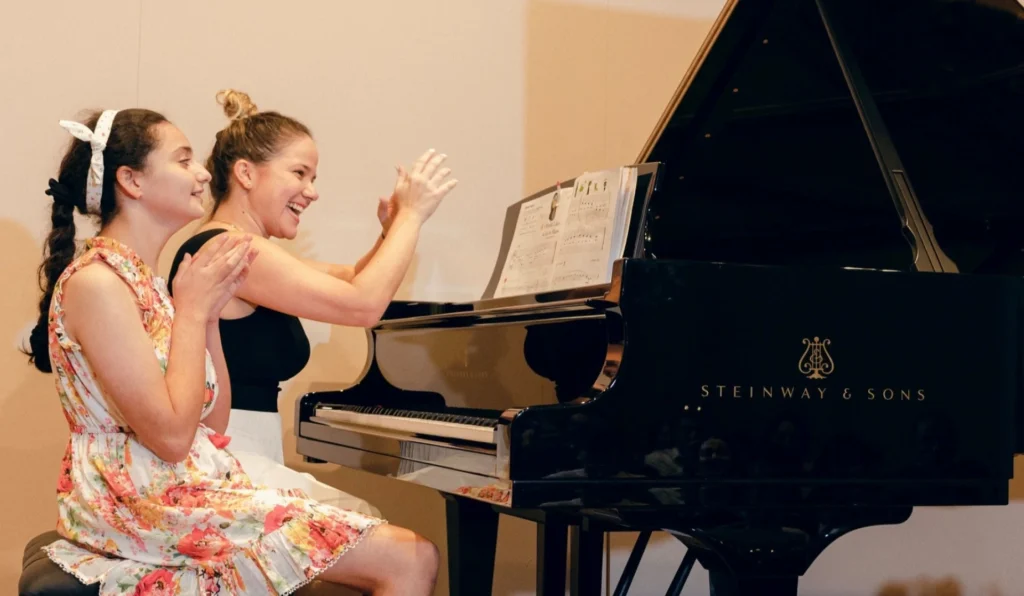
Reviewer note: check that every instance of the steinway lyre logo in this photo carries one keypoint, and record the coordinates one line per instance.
(816, 362)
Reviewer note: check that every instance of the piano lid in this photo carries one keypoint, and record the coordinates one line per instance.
(767, 159)
(764, 158)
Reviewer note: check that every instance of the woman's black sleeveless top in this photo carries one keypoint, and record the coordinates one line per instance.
(261, 350)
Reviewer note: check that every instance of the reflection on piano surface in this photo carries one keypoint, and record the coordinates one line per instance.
(817, 325)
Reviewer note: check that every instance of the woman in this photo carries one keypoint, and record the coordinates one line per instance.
(263, 167)
(149, 496)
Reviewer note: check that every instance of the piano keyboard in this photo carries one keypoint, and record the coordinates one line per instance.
(448, 425)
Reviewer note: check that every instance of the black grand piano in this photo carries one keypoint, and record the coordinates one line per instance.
(816, 325)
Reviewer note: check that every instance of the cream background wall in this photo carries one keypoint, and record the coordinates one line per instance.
(487, 81)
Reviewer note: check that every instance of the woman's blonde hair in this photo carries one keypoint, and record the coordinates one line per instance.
(252, 135)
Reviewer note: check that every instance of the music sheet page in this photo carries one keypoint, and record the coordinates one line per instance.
(530, 257)
(582, 258)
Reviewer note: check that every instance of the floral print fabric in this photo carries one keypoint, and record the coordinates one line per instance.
(139, 525)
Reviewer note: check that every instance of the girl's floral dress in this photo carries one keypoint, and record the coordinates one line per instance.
(142, 526)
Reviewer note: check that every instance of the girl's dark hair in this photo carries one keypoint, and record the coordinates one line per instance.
(255, 136)
(132, 138)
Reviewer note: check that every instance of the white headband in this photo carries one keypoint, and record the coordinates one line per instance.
(98, 140)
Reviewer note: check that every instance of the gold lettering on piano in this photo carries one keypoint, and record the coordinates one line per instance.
(890, 394)
(765, 392)
(816, 362)
(470, 368)
(466, 374)
(794, 392)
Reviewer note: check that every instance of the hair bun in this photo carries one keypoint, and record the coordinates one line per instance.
(237, 104)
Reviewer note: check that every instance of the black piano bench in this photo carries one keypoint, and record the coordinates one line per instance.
(42, 577)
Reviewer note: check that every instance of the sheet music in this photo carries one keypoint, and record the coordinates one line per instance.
(624, 216)
(581, 259)
(528, 266)
(570, 237)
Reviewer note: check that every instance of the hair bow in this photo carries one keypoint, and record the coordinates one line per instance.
(98, 140)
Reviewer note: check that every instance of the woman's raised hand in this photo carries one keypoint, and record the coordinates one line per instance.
(420, 190)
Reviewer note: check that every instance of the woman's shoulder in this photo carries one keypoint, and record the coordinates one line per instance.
(196, 241)
(192, 245)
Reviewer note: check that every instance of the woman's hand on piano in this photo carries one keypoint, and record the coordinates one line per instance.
(418, 192)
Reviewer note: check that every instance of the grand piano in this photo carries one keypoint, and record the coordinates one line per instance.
(816, 325)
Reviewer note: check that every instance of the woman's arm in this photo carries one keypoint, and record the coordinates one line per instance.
(386, 209)
(345, 272)
(218, 418)
(282, 282)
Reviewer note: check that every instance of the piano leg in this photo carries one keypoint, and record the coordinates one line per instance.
(679, 581)
(629, 572)
(586, 564)
(551, 543)
(472, 540)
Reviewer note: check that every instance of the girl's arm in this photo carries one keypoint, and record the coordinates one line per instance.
(218, 418)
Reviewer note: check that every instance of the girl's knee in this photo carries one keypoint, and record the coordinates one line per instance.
(418, 556)
(422, 550)
(429, 558)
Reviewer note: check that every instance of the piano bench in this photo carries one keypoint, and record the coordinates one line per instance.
(42, 577)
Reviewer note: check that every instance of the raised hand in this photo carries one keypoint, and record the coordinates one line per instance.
(420, 190)
(205, 283)
(387, 207)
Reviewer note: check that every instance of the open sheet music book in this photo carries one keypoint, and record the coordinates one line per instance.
(571, 236)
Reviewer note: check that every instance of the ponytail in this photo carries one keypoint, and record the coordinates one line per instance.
(57, 255)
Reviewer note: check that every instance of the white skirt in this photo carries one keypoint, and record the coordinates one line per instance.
(258, 442)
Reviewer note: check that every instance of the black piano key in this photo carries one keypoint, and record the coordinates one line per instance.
(482, 418)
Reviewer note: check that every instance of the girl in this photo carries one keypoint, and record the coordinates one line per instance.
(150, 498)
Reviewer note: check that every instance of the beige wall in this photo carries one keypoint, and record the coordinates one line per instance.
(378, 82)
